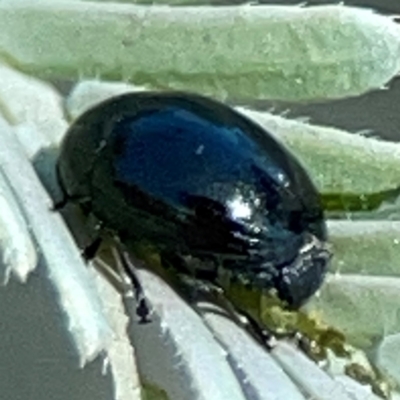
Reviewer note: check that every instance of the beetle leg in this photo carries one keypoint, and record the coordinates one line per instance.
(201, 292)
(125, 265)
(196, 286)
(78, 199)
(90, 251)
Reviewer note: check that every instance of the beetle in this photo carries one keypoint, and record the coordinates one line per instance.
(203, 183)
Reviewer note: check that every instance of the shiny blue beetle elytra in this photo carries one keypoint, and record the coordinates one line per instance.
(201, 182)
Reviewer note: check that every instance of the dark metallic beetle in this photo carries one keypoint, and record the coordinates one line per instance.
(201, 182)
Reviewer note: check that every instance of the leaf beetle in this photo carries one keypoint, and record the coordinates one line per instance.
(203, 183)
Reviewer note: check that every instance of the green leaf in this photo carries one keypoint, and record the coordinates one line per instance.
(275, 52)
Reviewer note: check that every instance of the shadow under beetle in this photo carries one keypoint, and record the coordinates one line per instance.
(209, 188)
